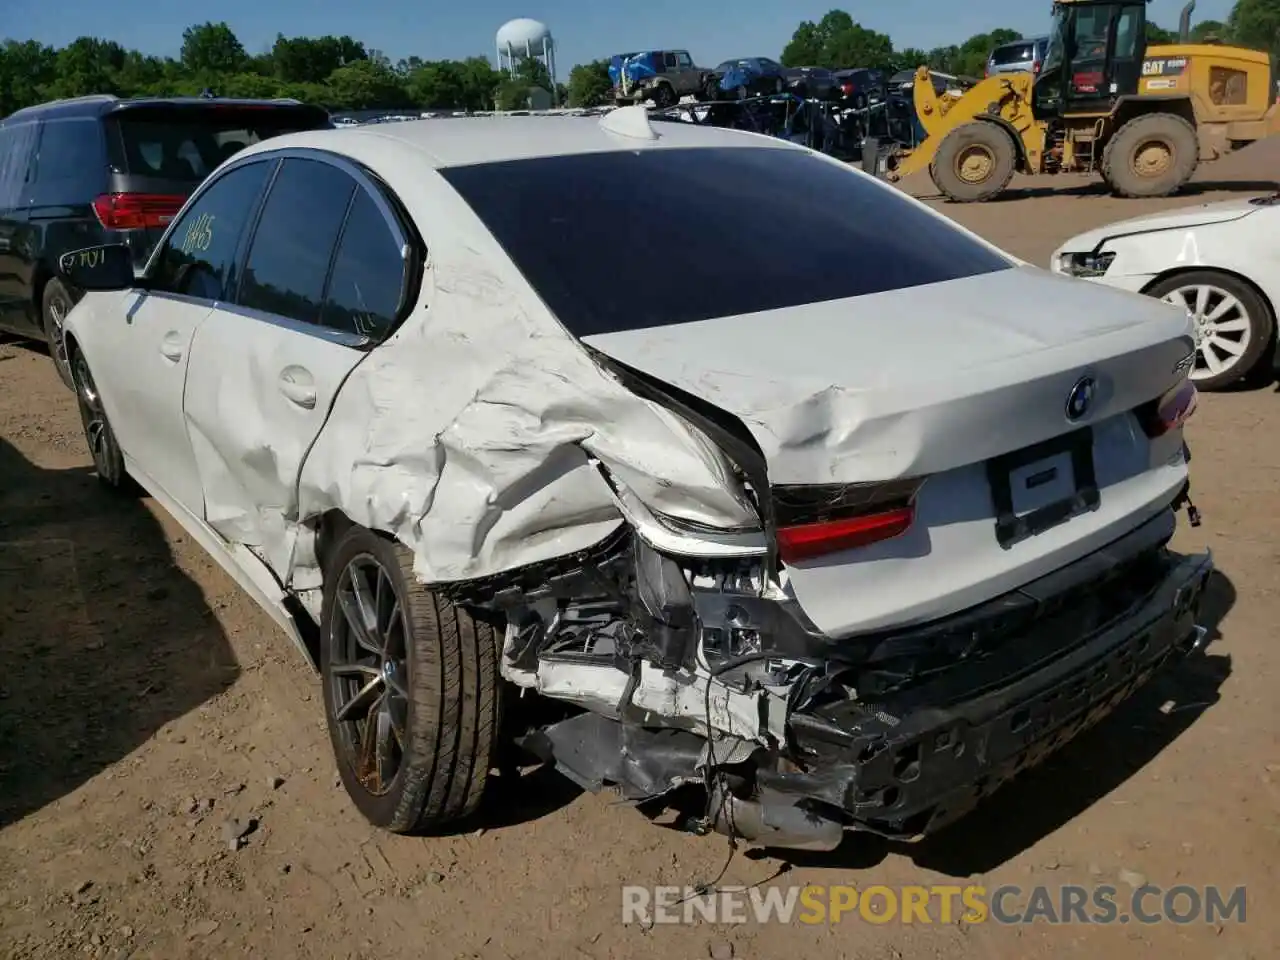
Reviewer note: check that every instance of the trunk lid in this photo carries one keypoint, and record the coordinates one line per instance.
(936, 381)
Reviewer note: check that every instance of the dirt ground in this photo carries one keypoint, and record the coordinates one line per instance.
(150, 714)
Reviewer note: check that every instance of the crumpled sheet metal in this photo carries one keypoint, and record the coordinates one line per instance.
(469, 434)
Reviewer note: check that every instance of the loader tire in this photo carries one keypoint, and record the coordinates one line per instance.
(975, 162)
(412, 690)
(1151, 156)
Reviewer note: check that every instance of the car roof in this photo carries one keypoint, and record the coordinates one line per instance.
(97, 105)
(460, 141)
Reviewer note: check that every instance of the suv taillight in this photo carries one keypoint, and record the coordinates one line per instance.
(137, 211)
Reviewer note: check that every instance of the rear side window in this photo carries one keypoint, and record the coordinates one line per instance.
(368, 274)
(1012, 53)
(17, 144)
(70, 150)
(198, 256)
(736, 230)
(289, 259)
(186, 144)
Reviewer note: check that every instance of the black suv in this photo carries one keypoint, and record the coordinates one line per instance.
(99, 169)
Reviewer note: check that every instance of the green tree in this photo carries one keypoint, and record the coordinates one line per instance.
(27, 69)
(212, 49)
(312, 59)
(1256, 24)
(909, 59)
(366, 84)
(589, 84)
(1158, 34)
(87, 65)
(1209, 30)
(837, 41)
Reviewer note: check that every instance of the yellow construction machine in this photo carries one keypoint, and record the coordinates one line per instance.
(1102, 101)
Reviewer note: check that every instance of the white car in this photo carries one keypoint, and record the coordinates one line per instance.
(849, 542)
(1220, 261)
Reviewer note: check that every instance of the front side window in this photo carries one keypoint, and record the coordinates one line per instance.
(684, 60)
(289, 257)
(368, 274)
(729, 238)
(198, 255)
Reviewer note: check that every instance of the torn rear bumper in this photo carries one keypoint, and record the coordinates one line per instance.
(907, 764)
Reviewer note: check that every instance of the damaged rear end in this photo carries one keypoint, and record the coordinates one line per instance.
(955, 552)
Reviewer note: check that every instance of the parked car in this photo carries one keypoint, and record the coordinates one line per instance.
(749, 77)
(1018, 56)
(101, 169)
(1218, 261)
(860, 87)
(815, 83)
(662, 76)
(840, 585)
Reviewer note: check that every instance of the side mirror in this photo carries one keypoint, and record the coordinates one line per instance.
(106, 267)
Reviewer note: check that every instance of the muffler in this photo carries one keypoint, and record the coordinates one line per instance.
(771, 819)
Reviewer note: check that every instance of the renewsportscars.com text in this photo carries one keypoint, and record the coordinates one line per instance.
(1066, 904)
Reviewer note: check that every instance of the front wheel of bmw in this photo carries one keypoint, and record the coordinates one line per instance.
(1233, 324)
(411, 689)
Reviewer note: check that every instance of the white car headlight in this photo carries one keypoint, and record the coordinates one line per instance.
(1085, 264)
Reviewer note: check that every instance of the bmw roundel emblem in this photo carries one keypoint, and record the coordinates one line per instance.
(1080, 399)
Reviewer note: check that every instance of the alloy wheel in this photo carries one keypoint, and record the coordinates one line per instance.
(368, 672)
(1223, 328)
(96, 431)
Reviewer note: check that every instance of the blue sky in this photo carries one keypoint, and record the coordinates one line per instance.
(584, 29)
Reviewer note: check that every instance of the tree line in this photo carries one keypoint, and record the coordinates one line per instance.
(341, 73)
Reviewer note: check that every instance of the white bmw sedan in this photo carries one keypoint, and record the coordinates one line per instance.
(525, 403)
(1218, 261)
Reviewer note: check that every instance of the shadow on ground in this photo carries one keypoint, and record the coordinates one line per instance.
(102, 639)
(1047, 797)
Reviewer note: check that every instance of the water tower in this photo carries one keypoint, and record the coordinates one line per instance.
(525, 39)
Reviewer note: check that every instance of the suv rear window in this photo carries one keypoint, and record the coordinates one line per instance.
(186, 143)
(732, 230)
(1011, 53)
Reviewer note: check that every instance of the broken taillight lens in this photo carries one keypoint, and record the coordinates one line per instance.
(1170, 411)
(817, 520)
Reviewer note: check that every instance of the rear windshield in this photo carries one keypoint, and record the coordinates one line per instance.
(188, 143)
(646, 238)
(1011, 53)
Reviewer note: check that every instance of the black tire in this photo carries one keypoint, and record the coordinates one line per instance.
(664, 96)
(446, 691)
(1151, 156)
(1254, 309)
(996, 158)
(108, 462)
(55, 304)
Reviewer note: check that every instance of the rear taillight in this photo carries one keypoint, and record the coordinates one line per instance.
(815, 520)
(1035, 68)
(137, 211)
(846, 89)
(797, 544)
(1170, 411)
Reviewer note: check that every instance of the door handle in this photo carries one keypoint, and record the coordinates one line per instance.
(298, 386)
(171, 347)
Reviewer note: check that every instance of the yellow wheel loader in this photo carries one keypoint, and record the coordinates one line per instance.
(1102, 101)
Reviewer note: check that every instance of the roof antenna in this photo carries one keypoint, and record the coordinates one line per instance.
(631, 122)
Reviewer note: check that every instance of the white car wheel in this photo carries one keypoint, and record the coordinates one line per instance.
(1225, 329)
